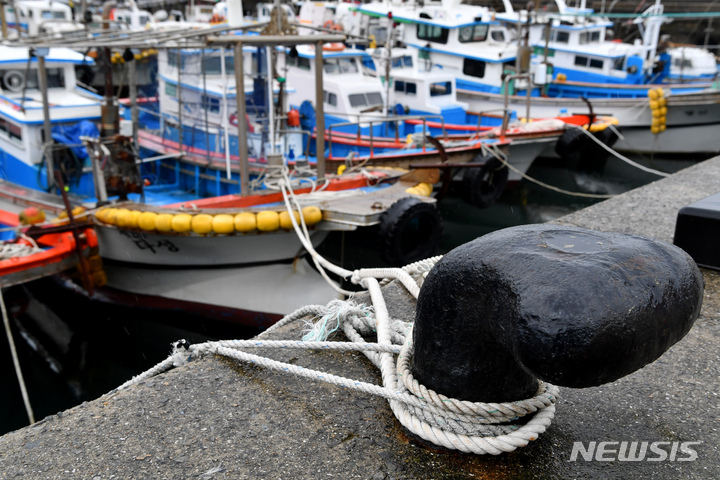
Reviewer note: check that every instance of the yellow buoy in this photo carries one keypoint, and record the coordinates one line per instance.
(100, 214)
(341, 169)
(163, 222)
(652, 94)
(660, 92)
(663, 111)
(654, 105)
(412, 191)
(223, 223)
(111, 216)
(245, 222)
(662, 102)
(655, 121)
(662, 128)
(181, 223)
(663, 120)
(131, 221)
(146, 221)
(202, 223)
(121, 217)
(268, 221)
(656, 113)
(312, 215)
(286, 222)
(425, 188)
(655, 129)
(561, 77)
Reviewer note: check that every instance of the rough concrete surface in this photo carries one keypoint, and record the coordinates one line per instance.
(214, 418)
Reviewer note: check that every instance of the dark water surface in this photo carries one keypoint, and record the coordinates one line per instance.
(72, 349)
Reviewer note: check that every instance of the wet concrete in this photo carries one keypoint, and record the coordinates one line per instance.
(214, 418)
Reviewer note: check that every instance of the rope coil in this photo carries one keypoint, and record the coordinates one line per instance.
(471, 427)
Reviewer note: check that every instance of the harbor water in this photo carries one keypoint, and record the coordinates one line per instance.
(72, 349)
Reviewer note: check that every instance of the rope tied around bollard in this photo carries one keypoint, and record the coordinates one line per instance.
(471, 427)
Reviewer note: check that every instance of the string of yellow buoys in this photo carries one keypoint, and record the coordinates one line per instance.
(204, 223)
(658, 108)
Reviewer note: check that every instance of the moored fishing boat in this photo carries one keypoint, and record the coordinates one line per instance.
(615, 78)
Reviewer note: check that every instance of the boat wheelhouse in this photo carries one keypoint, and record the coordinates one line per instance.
(464, 40)
(23, 146)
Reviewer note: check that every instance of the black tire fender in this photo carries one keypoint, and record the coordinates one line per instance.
(482, 186)
(410, 230)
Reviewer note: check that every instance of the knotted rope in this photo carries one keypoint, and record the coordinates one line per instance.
(472, 427)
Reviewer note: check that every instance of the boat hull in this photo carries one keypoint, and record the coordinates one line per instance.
(155, 248)
(254, 296)
(691, 112)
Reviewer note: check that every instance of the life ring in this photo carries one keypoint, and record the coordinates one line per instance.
(14, 80)
(483, 185)
(234, 122)
(333, 47)
(329, 25)
(410, 230)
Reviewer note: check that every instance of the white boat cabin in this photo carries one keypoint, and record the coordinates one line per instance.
(21, 108)
(464, 40)
(349, 89)
(40, 17)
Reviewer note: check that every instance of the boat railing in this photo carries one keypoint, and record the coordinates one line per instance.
(371, 122)
(506, 88)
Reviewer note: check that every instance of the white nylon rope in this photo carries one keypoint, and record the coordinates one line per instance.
(472, 427)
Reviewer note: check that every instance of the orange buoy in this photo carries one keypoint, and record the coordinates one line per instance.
(333, 47)
(293, 119)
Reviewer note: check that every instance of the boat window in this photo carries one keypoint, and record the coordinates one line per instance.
(582, 61)
(409, 88)
(330, 98)
(211, 104)
(144, 19)
(682, 62)
(619, 63)
(432, 33)
(171, 89)
(404, 61)
(441, 88)
(10, 129)
(330, 66)
(473, 33)
(211, 65)
(474, 68)
(303, 63)
(173, 59)
(374, 98)
(365, 99)
(348, 65)
(498, 35)
(340, 65)
(15, 80)
(49, 14)
(595, 36)
(561, 37)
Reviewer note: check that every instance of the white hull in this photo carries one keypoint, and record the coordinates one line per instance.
(153, 248)
(524, 152)
(256, 296)
(686, 113)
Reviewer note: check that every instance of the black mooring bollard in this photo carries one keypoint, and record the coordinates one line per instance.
(566, 305)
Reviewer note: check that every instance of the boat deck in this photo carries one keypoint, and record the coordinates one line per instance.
(364, 210)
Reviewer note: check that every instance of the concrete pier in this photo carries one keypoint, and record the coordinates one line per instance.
(214, 418)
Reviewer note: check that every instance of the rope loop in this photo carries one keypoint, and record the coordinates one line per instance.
(472, 427)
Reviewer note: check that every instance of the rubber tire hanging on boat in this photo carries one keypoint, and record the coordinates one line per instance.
(482, 186)
(410, 230)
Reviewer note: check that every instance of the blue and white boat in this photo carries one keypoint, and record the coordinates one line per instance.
(471, 42)
(24, 150)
